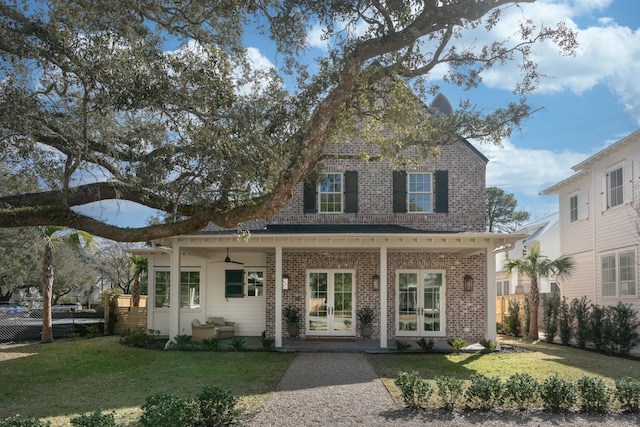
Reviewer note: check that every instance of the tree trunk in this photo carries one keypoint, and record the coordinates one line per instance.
(47, 288)
(534, 302)
(135, 292)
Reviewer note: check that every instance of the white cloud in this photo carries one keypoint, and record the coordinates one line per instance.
(525, 170)
(608, 53)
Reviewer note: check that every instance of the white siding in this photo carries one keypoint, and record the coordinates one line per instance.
(249, 313)
(581, 281)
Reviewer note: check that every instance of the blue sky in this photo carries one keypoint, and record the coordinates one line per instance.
(592, 101)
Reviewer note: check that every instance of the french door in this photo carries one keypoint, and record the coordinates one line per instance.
(421, 303)
(330, 302)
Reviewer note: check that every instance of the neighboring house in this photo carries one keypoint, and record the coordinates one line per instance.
(544, 234)
(598, 224)
(409, 243)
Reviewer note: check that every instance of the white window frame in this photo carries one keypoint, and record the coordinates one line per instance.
(624, 189)
(573, 208)
(155, 289)
(190, 307)
(618, 273)
(578, 206)
(247, 274)
(429, 193)
(335, 193)
(420, 292)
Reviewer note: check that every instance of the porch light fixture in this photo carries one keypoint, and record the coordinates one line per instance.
(468, 282)
(285, 281)
(375, 282)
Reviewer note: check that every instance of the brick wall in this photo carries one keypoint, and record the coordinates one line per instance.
(375, 192)
(465, 310)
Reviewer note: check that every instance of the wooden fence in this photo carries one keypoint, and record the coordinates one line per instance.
(502, 306)
(129, 317)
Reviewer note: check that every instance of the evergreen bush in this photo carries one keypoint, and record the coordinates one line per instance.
(521, 390)
(165, 410)
(217, 406)
(550, 309)
(600, 327)
(594, 394)
(512, 322)
(558, 394)
(95, 419)
(627, 392)
(415, 390)
(449, 391)
(624, 328)
(23, 421)
(565, 322)
(484, 392)
(580, 311)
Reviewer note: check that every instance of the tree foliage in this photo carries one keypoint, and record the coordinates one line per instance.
(501, 211)
(157, 102)
(535, 265)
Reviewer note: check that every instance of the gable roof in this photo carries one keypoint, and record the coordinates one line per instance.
(584, 166)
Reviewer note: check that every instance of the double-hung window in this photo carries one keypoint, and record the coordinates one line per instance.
(615, 188)
(330, 193)
(618, 272)
(573, 209)
(420, 192)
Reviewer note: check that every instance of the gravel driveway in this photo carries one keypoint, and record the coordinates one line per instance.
(342, 389)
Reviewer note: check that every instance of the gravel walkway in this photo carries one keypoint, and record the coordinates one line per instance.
(342, 389)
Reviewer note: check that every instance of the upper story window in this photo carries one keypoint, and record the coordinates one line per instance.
(334, 193)
(579, 206)
(419, 194)
(617, 186)
(573, 209)
(330, 193)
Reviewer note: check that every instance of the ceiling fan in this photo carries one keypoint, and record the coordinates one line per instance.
(229, 261)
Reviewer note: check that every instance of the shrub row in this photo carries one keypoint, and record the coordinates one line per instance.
(213, 407)
(521, 391)
(612, 330)
(142, 338)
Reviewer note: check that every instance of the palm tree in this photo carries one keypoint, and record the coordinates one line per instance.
(140, 266)
(54, 236)
(534, 265)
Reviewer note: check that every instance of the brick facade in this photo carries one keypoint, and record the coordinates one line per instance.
(466, 314)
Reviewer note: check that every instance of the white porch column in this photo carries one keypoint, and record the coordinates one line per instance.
(174, 293)
(491, 295)
(383, 297)
(278, 296)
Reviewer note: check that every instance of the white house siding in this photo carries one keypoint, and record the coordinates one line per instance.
(249, 313)
(605, 230)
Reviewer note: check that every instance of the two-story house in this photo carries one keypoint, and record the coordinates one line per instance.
(599, 224)
(409, 243)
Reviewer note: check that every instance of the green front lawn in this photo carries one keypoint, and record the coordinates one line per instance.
(60, 380)
(543, 361)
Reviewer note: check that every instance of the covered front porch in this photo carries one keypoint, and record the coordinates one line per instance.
(329, 277)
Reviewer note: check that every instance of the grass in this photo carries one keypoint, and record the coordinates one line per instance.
(544, 361)
(61, 380)
(58, 381)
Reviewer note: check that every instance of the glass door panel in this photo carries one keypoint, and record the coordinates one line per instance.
(330, 303)
(431, 301)
(408, 302)
(342, 302)
(318, 313)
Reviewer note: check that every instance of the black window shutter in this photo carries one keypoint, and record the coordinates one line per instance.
(442, 191)
(351, 192)
(234, 284)
(399, 191)
(310, 197)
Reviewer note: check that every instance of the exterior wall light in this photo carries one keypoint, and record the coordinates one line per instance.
(468, 282)
(375, 282)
